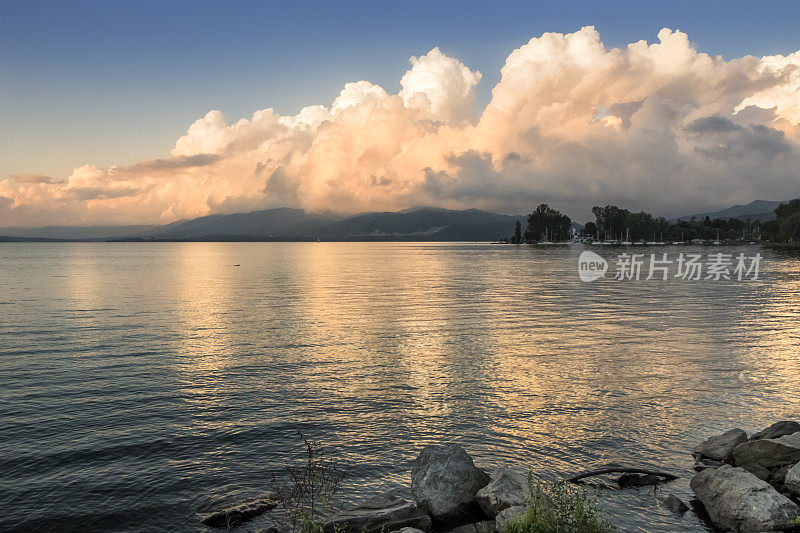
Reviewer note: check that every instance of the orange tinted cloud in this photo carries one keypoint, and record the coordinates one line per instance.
(658, 126)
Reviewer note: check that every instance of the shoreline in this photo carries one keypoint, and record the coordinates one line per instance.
(741, 483)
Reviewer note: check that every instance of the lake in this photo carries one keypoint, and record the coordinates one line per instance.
(145, 382)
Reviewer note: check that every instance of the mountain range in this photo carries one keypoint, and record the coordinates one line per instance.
(759, 210)
(286, 224)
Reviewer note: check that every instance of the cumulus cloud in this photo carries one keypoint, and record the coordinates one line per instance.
(33, 178)
(173, 163)
(658, 126)
(440, 85)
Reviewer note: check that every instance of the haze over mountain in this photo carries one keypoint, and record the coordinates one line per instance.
(417, 223)
(75, 233)
(760, 210)
(295, 224)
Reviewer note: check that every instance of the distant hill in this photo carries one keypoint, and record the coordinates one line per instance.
(424, 223)
(268, 223)
(75, 233)
(416, 224)
(759, 210)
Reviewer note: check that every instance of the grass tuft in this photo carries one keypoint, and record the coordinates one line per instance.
(559, 507)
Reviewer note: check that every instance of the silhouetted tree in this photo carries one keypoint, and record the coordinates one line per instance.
(547, 223)
(611, 220)
(517, 233)
(590, 229)
(786, 225)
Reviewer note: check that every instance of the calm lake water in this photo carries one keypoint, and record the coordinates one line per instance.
(143, 383)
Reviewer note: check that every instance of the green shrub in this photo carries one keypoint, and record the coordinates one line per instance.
(306, 489)
(559, 508)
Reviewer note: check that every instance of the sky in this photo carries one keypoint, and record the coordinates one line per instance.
(117, 112)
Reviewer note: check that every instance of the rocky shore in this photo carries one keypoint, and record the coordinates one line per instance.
(750, 483)
(742, 484)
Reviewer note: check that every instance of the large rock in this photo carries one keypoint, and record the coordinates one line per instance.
(378, 514)
(408, 530)
(444, 481)
(720, 447)
(508, 515)
(778, 429)
(736, 500)
(792, 480)
(506, 489)
(769, 453)
(238, 514)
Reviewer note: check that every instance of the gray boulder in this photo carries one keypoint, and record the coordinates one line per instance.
(675, 504)
(408, 530)
(720, 447)
(769, 453)
(378, 514)
(792, 480)
(778, 429)
(506, 489)
(444, 481)
(508, 515)
(738, 501)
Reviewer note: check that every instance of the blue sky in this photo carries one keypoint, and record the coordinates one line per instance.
(112, 83)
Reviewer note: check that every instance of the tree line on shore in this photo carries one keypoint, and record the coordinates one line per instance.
(613, 223)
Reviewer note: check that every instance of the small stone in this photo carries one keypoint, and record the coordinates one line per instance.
(778, 476)
(487, 526)
(701, 464)
(506, 489)
(720, 447)
(778, 429)
(239, 514)
(508, 515)
(377, 514)
(675, 504)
